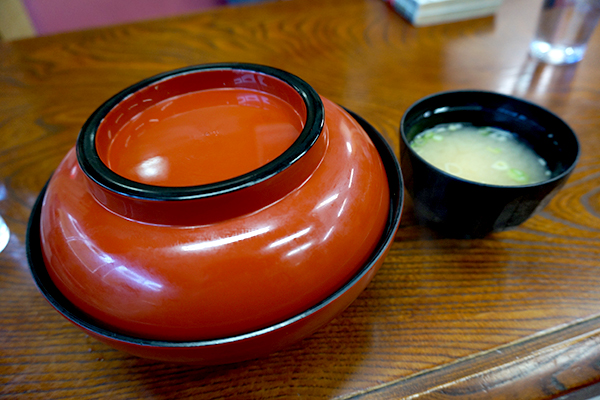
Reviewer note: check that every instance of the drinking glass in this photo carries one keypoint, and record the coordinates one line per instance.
(564, 28)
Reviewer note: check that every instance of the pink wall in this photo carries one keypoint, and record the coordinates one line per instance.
(53, 16)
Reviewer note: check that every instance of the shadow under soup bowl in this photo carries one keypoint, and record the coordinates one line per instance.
(477, 162)
(214, 214)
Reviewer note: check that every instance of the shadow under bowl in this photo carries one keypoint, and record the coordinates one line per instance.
(461, 208)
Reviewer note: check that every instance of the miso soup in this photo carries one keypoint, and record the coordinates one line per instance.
(482, 154)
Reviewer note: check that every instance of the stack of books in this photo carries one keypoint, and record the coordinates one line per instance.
(430, 12)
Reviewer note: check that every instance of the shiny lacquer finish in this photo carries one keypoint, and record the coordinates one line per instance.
(206, 264)
(245, 346)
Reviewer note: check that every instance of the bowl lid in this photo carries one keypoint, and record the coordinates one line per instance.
(53, 295)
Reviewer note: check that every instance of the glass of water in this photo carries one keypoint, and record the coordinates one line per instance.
(564, 28)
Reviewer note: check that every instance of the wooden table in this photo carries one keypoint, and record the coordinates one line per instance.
(514, 315)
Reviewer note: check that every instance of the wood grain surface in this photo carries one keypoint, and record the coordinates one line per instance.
(513, 315)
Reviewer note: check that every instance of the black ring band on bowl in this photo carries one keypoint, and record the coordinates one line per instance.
(92, 165)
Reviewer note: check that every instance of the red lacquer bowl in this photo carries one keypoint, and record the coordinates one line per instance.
(214, 214)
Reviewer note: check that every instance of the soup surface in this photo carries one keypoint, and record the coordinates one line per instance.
(482, 154)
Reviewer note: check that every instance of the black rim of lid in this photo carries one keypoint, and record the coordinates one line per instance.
(91, 164)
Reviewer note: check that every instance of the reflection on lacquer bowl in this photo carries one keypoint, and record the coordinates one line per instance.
(214, 214)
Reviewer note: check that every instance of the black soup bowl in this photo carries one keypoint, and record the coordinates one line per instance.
(457, 207)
